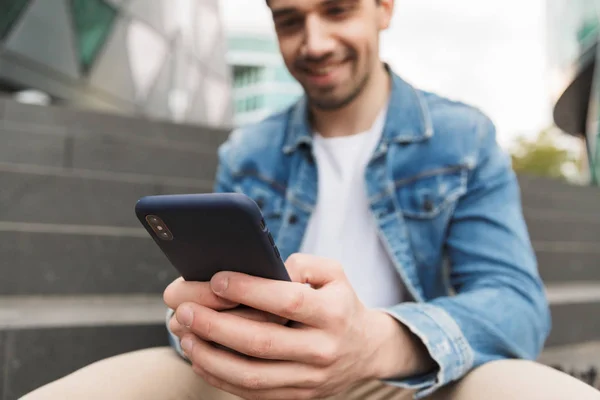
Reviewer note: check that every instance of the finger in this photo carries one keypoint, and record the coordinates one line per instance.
(246, 373)
(256, 315)
(176, 328)
(314, 270)
(181, 291)
(263, 340)
(262, 394)
(290, 300)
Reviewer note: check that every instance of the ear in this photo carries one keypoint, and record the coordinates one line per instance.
(385, 10)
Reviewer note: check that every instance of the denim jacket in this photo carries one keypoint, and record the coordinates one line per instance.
(447, 205)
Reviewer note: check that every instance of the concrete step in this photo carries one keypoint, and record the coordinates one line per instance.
(109, 153)
(68, 258)
(562, 262)
(575, 323)
(585, 203)
(76, 196)
(535, 184)
(574, 307)
(69, 120)
(47, 259)
(30, 358)
(581, 361)
(69, 333)
(554, 194)
(559, 229)
(64, 311)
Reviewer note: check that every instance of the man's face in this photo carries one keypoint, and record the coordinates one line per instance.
(330, 46)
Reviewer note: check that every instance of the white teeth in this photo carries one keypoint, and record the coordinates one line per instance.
(323, 71)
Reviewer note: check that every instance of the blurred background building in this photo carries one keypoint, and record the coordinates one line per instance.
(573, 28)
(262, 84)
(154, 58)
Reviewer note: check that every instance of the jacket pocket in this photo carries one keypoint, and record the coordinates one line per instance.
(429, 194)
(427, 202)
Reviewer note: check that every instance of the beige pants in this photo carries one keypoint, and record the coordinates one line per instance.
(159, 374)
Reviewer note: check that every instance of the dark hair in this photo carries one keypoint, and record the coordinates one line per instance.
(376, 1)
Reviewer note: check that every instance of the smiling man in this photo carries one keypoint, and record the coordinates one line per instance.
(401, 213)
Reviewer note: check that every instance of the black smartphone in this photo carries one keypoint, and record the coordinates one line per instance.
(202, 234)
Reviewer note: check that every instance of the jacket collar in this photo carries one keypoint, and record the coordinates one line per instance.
(407, 120)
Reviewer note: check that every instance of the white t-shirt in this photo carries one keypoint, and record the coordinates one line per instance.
(342, 226)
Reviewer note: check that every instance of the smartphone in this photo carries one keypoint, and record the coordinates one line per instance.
(202, 234)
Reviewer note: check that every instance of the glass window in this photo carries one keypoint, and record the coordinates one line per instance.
(259, 44)
(93, 20)
(11, 11)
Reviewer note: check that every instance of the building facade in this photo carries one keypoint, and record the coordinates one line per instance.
(574, 55)
(163, 59)
(262, 84)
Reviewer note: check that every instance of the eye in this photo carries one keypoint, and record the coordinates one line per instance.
(337, 11)
(289, 23)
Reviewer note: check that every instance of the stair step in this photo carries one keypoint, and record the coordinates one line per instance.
(574, 322)
(31, 358)
(109, 153)
(555, 187)
(572, 230)
(571, 306)
(46, 259)
(35, 118)
(580, 360)
(58, 195)
(561, 262)
(42, 312)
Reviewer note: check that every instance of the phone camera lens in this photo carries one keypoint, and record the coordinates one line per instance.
(159, 227)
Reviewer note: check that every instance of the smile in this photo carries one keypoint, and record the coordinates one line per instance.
(323, 70)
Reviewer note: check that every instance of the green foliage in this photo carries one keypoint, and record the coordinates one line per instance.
(542, 157)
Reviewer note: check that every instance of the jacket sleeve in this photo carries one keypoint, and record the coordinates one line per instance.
(499, 308)
(223, 183)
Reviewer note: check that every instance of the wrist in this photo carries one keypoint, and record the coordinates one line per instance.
(397, 352)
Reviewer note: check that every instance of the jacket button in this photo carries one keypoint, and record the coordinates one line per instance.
(428, 205)
(293, 219)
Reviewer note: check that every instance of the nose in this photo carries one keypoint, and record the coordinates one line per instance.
(318, 42)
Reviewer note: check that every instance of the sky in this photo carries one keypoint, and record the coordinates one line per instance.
(491, 55)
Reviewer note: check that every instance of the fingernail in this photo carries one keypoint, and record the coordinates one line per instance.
(185, 316)
(220, 285)
(187, 345)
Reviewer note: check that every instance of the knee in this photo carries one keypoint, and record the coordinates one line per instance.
(519, 379)
(516, 371)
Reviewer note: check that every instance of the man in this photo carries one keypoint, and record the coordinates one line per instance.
(402, 215)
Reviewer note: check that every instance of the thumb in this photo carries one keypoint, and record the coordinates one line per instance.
(314, 270)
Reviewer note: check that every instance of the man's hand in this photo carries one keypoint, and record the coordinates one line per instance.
(333, 341)
(200, 293)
